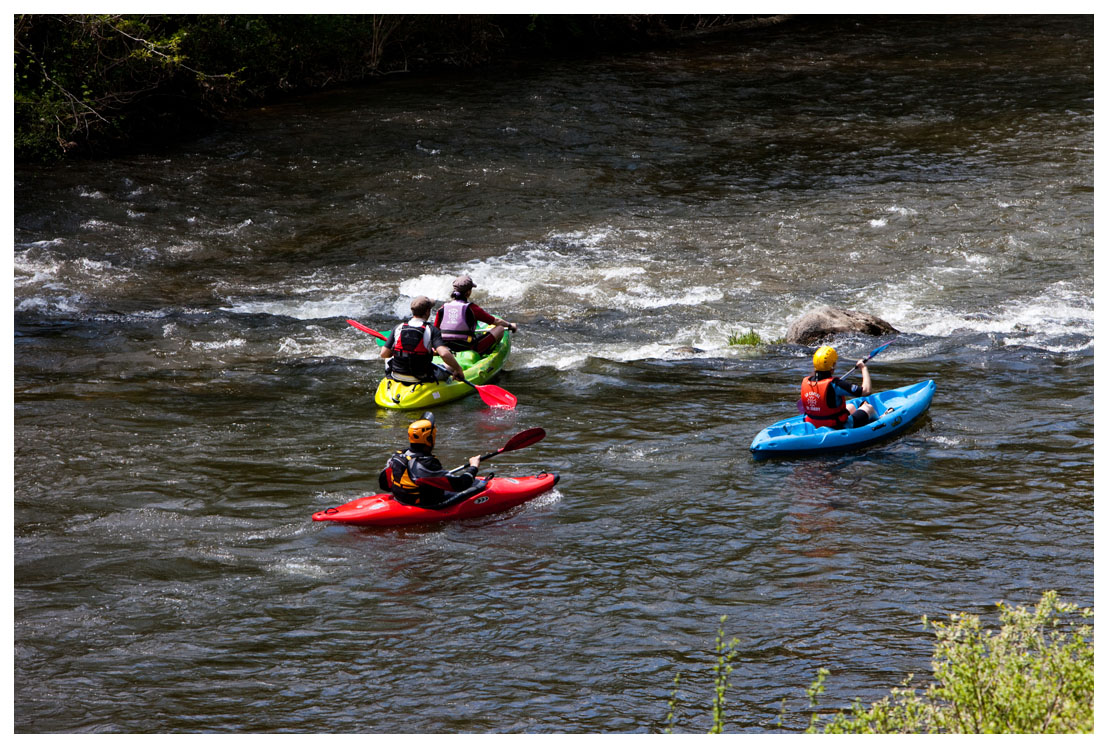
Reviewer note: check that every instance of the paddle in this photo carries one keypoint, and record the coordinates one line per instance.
(493, 396)
(874, 352)
(381, 339)
(519, 441)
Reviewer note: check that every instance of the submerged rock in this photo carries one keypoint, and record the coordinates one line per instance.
(827, 321)
(684, 350)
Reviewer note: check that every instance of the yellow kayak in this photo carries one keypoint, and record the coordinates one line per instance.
(478, 370)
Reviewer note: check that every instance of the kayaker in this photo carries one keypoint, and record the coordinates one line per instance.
(458, 320)
(412, 346)
(823, 396)
(416, 476)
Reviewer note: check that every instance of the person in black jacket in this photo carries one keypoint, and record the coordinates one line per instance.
(416, 477)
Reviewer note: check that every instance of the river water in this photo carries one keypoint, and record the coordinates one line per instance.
(187, 393)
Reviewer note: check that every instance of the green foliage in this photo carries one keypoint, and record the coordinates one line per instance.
(752, 339)
(722, 668)
(101, 82)
(1035, 675)
(746, 338)
(671, 717)
(96, 79)
(721, 671)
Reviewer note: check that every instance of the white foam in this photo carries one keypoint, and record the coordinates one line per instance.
(621, 272)
(567, 275)
(644, 297)
(50, 304)
(319, 295)
(30, 271)
(299, 569)
(231, 230)
(1059, 311)
(345, 344)
(566, 356)
(437, 286)
(51, 284)
(304, 309)
(551, 497)
(218, 345)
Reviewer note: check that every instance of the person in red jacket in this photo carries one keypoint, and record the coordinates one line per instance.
(823, 396)
(416, 477)
(458, 320)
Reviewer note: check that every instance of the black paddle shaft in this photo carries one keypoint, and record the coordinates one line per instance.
(519, 441)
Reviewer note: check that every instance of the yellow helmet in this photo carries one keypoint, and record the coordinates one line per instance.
(423, 431)
(825, 358)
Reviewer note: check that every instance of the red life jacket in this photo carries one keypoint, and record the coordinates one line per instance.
(813, 399)
(454, 321)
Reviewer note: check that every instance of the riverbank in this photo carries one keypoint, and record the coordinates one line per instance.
(103, 85)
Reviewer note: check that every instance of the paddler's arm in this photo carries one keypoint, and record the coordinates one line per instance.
(866, 385)
(386, 349)
(463, 480)
(482, 316)
(447, 357)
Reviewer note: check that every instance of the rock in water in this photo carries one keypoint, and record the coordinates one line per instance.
(827, 321)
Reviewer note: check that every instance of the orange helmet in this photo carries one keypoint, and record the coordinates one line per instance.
(825, 358)
(423, 431)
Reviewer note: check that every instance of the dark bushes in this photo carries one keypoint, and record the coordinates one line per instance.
(100, 84)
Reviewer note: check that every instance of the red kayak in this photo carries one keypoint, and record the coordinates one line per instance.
(382, 510)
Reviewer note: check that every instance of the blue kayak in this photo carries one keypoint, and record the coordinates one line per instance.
(896, 409)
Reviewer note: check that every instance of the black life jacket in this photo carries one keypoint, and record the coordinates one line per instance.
(411, 482)
(411, 351)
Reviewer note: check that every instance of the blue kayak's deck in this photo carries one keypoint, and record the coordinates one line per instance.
(896, 409)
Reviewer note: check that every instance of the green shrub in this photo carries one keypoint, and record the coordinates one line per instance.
(746, 338)
(721, 671)
(101, 83)
(1035, 675)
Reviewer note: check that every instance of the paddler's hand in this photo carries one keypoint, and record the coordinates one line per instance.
(459, 376)
(861, 365)
(513, 327)
(475, 461)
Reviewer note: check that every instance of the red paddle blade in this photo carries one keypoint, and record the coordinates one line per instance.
(496, 397)
(525, 439)
(519, 441)
(363, 328)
